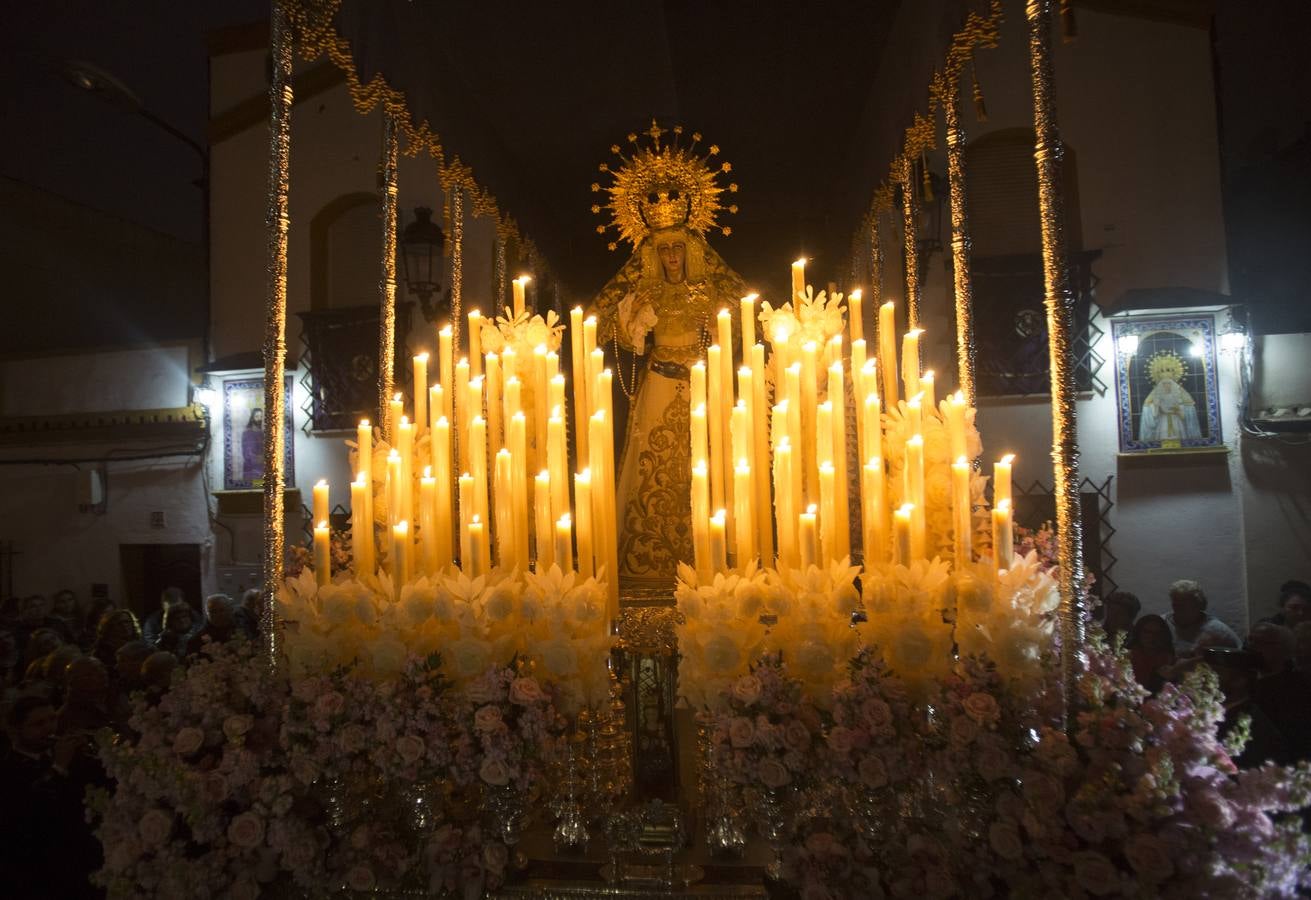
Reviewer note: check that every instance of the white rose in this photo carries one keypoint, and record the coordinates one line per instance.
(409, 748)
(982, 708)
(499, 604)
(336, 605)
(417, 607)
(1095, 873)
(494, 772)
(1149, 857)
(155, 827)
(741, 732)
(772, 773)
(188, 741)
(525, 690)
(1004, 838)
(246, 830)
(360, 878)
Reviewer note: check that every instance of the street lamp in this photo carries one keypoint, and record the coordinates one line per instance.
(421, 253)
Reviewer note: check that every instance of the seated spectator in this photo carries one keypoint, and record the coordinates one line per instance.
(220, 623)
(248, 612)
(116, 629)
(86, 704)
(64, 607)
(1151, 650)
(1191, 623)
(154, 624)
(96, 611)
(1283, 692)
(34, 613)
(179, 627)
(1237, 670)
(1274, 644)
(1119, 610)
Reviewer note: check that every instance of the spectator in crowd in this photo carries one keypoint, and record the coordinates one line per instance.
(116, 629)
(64, 607)
(1274, 644)
(86, 703)
(220, 623)
(179, 627)
(154, 624)
(96, 611)
(34, 613)
(157, 673)
(1283, 692)
(1192, 626)
(248, 612)
(40, 643)
(1119, 610)
(1151, 650)
(1238, 671)
(1294, 604)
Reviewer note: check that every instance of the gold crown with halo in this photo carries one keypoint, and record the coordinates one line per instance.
(1166, 364)
(663, 184)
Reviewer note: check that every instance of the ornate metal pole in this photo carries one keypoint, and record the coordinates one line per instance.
(911, 228)
(960, 241)
(275, 323)
(387, 280)
(875, 263)
(1060, 326)
(500, 274)
(457, 262)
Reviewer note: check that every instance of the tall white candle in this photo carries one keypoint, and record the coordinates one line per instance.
(583, 513)
(395, 409)
(910, 361)
(478, 466)
(364, 449)
(564, 553)
(463, 413)
(901, 538)
(718, 543)
(400, 557)
(557, 463)
(786, 509)
(961, 510)
(446, 372)
(467, 512)
(420, 390)
(518, 429)
(760, 460)
(478, 551)
(322, 554)
(320, 501)
(954, 415)
(915, 494)
(393, 486)
(719, 449)
(743, 493)
(578, 372)
(857, 326)
(428, 521)
(442, 473)
(495, 409)
(930, 399)
(1001, 479)
(807, 539)
(361, 525)
(1003, 538)
(888, 352)
(405, 443)
(519, 289)
(828, 515)
(542, 515)
(838, 397)
(475, 343)
(874, 514)
(748, 317)
(505, 519)
(798, 279)
(809, 401)
(701, 520)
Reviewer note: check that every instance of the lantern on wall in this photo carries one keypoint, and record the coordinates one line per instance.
(421, 254)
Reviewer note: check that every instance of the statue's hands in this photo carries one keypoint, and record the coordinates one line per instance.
(635, 320)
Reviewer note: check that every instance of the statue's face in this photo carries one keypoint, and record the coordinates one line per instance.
(673, 258)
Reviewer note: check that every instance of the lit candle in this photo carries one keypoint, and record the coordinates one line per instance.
(698, 384)
(915, 494)
(436, 405)
(478, 465)
(578, 372)
(475, 343)
(828, 515)
(405, 443)
(542, 515)
(760, 460)
(874, 513)
(322, 554)
(495, 412)
(715, 422)
(792, 399)
(518, 430)
(513, 397)
(888, 352)
(748, 325)
(478, 550)
(915, 414)
(744, 521)
(930, 400)
(910, 361)
(400, 558)
(779, 348)
(519, 286)
(838, 397)
(901, 528)
(441, 468)
(724, 323)
(809, 400)
(446, 372)
(462, 414)
(364, 449)
(541, 407)
(961, 511)
(786, 509)
(701, 521)
(552, 366)
(700, 437)
(564, 554)
(428, 520)
(393, 486)
(361, 524)
(583, 510)
(557, 464)
(509, 367)
(718, 544)
(854, 315)
(395, 409)
(953, 409)
(420, 390)
(858, 360)
(798, 278)
(807, 539)
(555, 393)
(505, 519)
(467, 512)
(1003, 539)
(320, 503)
(1001, 480)
(873, 416)
(589, 341)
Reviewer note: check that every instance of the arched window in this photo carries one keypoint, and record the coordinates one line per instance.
(345, 236)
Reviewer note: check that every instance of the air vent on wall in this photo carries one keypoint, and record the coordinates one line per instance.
(157, 519)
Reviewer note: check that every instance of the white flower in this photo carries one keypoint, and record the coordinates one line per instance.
(155, 827)
(246, 830)
(747, 689)
(494, 771)
(1004, 838)
(236, 726)
(188, 741)
(467, 657)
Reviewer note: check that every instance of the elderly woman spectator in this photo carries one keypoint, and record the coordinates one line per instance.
(220, 623)
(178, 628)
(116, 629)
(1151, 650)
(1193, 627)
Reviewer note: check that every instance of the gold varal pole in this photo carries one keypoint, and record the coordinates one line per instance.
(500, 272)
(910, 224)
(457, 262)
(1060, 327)
(275, 323)
(960, 242)
(875, 263)
(387, 279)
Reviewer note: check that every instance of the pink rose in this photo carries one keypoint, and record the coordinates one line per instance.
(746, 689)
(1004, 838)
(215, 787)
(360, 878)
(796, 736)
(982, 708)
(246, 830)
(772, 773)
(1095, 873)
(329, 704)
(992, 761)
(353, 738)
(409, 748)
(487, 718)
(876, 713)
(495, 856)
(741, 732)
(236, 726)
(1149, 857)
(155, 827)
(873, 773)
(525, 691)
(485, 690)
(963, 730)
(1042, 790)
(839, 739)
(188, 741)
(1212, 810)
(494, 772)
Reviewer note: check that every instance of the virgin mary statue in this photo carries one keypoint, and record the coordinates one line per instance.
(661, 307)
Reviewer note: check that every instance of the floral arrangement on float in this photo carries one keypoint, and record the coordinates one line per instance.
(430, 661)
(894, 729)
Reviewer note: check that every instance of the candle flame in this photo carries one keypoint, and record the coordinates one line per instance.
(962, 461)
(564, 520)
(476, 520)
(364, 423)
(401, 527)
(926, 375)
(1004, 506)
(523, 279)
(917, 440)
(397, 396)
(750, 298)
(322, 482)
(958, 397)
(445, 331)
(475, 313)
(421, 357)
(361, 478)
(875, 463)
(812, 509)
(427, 471)
(585, 475)
(442, 422)
(800, 262)
(405, 421)
(1008, 459)
(394, 454)
(855, 295)
(323, 525)
(915, 332)
(889, 305)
